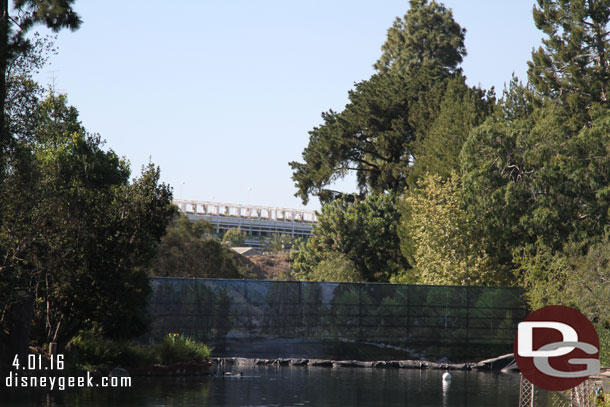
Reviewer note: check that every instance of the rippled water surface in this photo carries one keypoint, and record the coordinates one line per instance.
(295, 386)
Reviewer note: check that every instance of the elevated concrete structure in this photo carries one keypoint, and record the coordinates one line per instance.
(259, 222)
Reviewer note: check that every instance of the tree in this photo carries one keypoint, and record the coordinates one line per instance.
(439, 240)
(364, 232)
(535, 178)
(279, 242)
(426, 35)
(23, 93)
(335, 267)
(234, 237)
(576, 276)
(189, 250)
(461, 109)
(76, 234)
(55, 14)
(572, 65)
(374, 135)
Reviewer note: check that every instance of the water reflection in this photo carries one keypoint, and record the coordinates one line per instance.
(293, 386)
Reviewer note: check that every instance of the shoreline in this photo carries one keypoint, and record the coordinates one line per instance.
(500, 363)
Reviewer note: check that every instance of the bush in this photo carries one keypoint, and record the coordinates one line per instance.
(91, 350)
(178, 348)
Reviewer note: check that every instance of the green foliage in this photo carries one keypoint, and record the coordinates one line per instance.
(234, 237)
(88, 348)
(56, 15)
(278, 242)
(572, 65)
(335, 267)
(374, 136)
(438, 238)
(371, 136)
(178, 348)
(426, 36)
(461, 109)
(189, 250)
(528, 176)
(603, 332)
(75, 232)
(23, 93)
(365, 232)
(576, 276)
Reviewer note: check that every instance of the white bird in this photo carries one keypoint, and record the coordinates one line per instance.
(446, 377)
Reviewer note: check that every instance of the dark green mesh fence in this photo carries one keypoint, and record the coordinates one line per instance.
(242, 312)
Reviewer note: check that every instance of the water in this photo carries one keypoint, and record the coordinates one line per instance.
(295, 386)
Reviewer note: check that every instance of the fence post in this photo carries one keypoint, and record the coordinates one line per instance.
(467, 320)
(409, 289)
(360, 311)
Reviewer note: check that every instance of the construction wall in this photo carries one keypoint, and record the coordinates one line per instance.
(266, 319)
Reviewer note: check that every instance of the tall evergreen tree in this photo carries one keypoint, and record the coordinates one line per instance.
(426, 35)
(461, 109)
(572, 66)
(374, 135)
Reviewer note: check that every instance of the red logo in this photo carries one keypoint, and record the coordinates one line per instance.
(556, 348)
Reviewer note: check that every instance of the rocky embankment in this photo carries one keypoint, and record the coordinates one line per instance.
(498, 363)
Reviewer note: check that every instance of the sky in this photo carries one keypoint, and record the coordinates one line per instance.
(222, 94)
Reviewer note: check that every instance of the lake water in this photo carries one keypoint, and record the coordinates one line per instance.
(295, 386)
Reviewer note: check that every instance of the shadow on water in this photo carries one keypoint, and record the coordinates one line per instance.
(294, 386)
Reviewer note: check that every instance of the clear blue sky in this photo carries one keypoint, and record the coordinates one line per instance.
(222, 94)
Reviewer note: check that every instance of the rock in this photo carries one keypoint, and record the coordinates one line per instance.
(300, 362)
(459, 366)
(281, 362)
(321, 363)
(409, 364)
(118, 372)
(352, 363)
(498, 363)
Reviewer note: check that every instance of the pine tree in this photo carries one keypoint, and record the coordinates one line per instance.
(426, 35)
(374, 135)
(572, 66)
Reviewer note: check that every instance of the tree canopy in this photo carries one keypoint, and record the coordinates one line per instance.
(374, 136)
(76, 234)
(55, 14)
(189, 249)
(363, 232)
(572, 65)
(426, 36)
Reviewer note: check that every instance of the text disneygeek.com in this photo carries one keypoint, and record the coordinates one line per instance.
(27, 375)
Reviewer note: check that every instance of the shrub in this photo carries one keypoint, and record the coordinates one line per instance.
(91, 350)
(179, 348)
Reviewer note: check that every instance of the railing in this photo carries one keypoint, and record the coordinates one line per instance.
(245, 211)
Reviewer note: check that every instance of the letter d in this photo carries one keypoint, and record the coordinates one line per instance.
(9, 380)
(525, 337)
